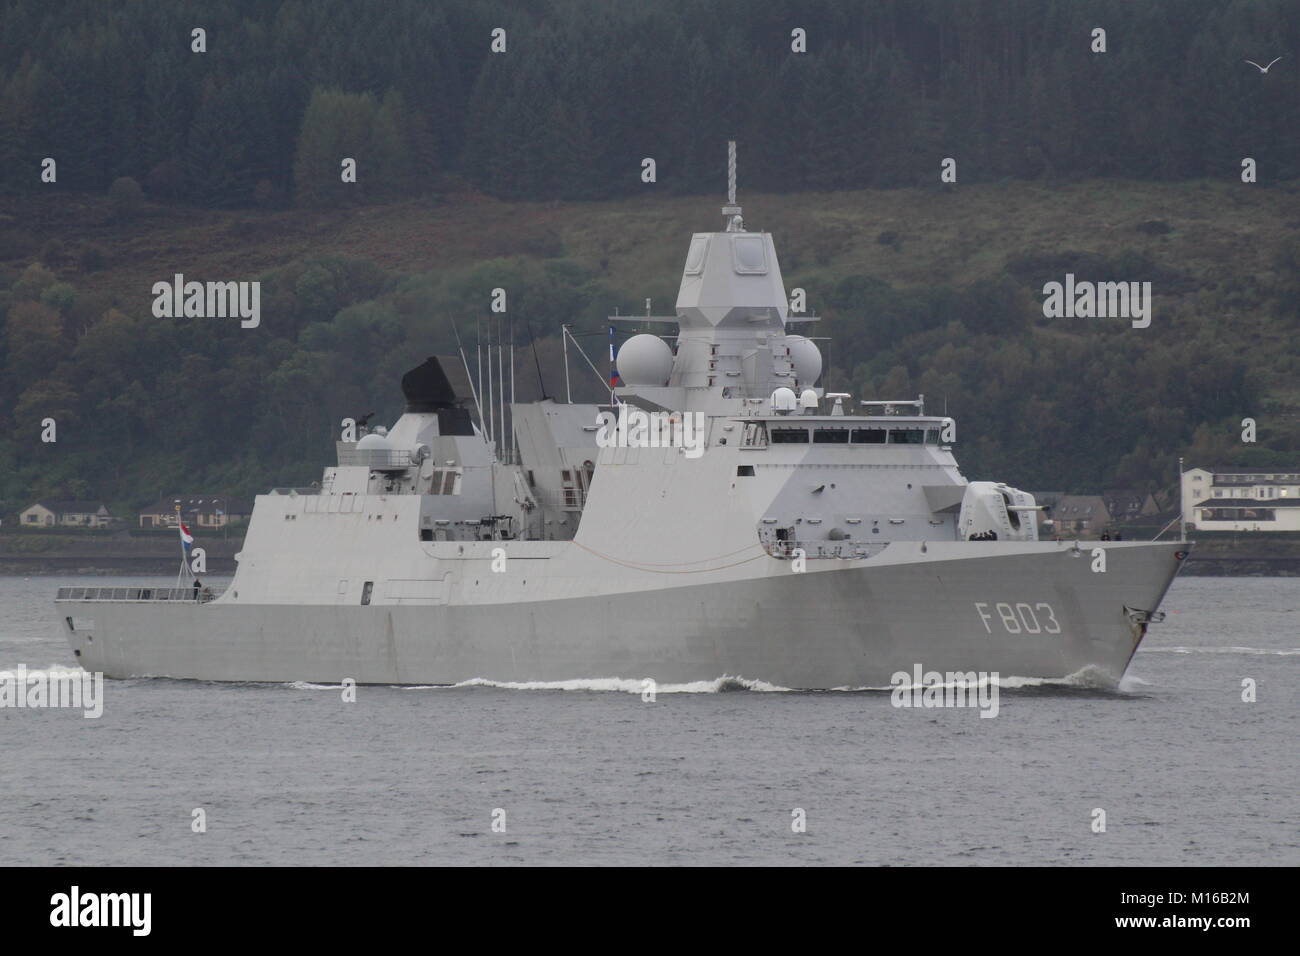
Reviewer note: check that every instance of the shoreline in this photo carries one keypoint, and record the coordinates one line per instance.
(28, 553)
(130, 567)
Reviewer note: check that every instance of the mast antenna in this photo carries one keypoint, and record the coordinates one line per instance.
(731, 212)
(541, 383)
(473, 391)
(731, 172)
(1182, 523)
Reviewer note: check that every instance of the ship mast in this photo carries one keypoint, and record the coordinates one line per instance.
(732, 221)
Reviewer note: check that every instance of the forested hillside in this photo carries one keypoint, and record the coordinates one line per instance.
(522, 170)
(586, 88)
(931, 291)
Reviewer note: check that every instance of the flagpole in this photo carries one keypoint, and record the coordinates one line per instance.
(184, 564)
(612, 373)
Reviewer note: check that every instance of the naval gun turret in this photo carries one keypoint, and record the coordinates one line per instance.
(993, 511)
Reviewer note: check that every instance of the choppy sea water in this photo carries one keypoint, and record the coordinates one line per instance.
(588, 773)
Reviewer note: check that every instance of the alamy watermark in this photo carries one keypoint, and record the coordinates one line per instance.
(75, 908)
(946, 689)
(633, 427)
(208, 300)
(77, 690)
(1098, 300)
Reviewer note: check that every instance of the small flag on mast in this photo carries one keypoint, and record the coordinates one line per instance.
(613, 369)
(187, 539)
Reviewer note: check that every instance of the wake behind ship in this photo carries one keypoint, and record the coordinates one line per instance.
(721, 515)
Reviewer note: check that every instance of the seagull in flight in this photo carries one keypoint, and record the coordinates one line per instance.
(1262, 69)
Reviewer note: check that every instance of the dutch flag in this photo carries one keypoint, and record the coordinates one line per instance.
(187, 539)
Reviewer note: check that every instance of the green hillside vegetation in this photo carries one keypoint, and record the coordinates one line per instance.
(921, 290)
(521, 169)
(587, 88)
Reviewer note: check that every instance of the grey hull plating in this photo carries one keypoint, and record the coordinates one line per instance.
(853, 625)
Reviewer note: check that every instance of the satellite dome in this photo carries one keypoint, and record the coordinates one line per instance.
(806, 359)
(808, 398)
(374, 440)
(784, 400)
(645, 360)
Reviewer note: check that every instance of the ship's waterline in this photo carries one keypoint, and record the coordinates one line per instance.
(846, 626)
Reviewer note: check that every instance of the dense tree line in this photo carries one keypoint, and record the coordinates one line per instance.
(585, 89)
(145, 405)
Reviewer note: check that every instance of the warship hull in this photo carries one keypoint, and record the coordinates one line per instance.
(1032, 609)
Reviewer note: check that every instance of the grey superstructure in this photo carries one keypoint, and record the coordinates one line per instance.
(721, 516)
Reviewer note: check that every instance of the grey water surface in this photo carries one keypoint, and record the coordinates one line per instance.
(588, 773)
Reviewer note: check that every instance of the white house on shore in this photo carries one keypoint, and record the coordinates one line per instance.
(66, 513)
(198, 511)
(1232, 500)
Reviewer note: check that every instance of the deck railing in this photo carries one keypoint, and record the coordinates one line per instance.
(382, 459)
(137, 594)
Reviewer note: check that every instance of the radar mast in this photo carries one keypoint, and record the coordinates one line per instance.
(731, 216)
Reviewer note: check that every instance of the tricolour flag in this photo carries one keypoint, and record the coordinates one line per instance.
(187, 539)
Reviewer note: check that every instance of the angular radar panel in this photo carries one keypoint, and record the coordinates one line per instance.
(440, 382)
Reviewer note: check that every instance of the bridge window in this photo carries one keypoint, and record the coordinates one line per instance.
(831, 436)
(906, 436)
(868, 436)
(789, 436)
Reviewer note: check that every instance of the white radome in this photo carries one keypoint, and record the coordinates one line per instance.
(784, 400)
(645, 360)
(806, 359)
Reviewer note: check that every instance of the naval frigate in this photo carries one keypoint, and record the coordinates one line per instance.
(722, 515)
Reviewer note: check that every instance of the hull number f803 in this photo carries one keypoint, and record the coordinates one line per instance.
(1019, 618)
